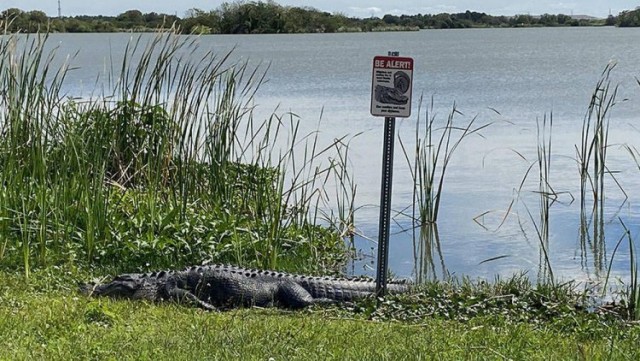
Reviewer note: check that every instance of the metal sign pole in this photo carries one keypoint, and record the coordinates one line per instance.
(385, 205)
(385, 202)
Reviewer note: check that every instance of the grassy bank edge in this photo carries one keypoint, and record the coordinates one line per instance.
(48, 319)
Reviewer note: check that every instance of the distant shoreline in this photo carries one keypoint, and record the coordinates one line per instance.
(271, 18)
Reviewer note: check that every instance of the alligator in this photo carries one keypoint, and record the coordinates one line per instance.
(215, 287)
(387, 95)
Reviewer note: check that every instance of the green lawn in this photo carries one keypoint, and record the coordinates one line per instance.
(58, 323)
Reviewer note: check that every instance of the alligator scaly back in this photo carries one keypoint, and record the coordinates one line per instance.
(223, 286)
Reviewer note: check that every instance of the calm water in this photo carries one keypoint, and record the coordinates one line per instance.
(523, 74)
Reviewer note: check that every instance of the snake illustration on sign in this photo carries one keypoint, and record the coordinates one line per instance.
(391, 86)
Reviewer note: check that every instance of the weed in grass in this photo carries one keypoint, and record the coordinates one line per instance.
(504, 301)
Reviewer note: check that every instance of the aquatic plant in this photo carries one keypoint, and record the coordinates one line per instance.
(592, 154)
(435, 145)
(547, 196)
(631, 291)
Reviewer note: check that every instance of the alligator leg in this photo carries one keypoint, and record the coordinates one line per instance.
(185, 296)
(292, 295)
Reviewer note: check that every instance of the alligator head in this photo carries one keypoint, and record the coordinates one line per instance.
(132, 286)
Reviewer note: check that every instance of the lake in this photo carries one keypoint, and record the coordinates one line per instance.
(511, 78)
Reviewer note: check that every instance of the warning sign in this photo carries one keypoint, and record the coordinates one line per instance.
(391, 86)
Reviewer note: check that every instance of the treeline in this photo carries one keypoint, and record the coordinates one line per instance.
(472, 19)
(254, 17)
(629, 18)
(240, 17)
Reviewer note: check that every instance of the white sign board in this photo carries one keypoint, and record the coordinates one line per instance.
(391, 86)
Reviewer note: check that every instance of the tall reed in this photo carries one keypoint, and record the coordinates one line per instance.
(547, 196)
(165, 166)
(28, 108)
(633, 289)
(631, 294)
(435, 145)
(592, 154)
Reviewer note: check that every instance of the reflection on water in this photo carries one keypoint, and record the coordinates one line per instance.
(428, 254)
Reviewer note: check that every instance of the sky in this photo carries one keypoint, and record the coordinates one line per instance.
(357, 8)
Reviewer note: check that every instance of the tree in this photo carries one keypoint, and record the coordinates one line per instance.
(37, 16)
(36, 21)
(77, 26)
(522, 20)
(130, 19)
(296, 20)
(230, 18)
(629, 18)
(443, 21)
(548, 20)
(391, 19)
(12, 13)
(15, 19)
(564, 19)
(201, 22)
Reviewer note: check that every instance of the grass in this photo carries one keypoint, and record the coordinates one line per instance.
(48, 319)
